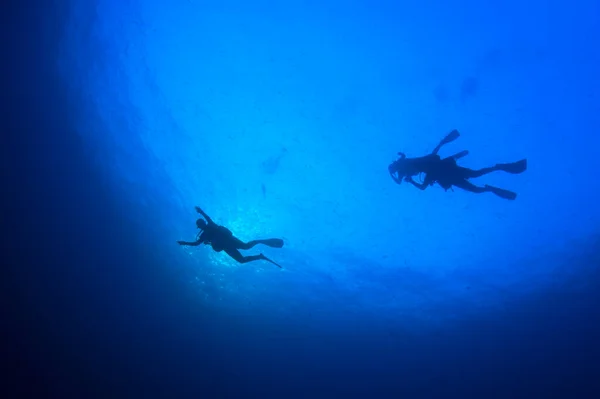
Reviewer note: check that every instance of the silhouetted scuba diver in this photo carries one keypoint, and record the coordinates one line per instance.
(447, 173)
(221, 239)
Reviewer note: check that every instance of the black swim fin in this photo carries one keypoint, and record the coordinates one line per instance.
(269, 260)
(502, 193)
(453, 135)
(513, 167)
(460, 155)
(273, 242)
(450, 137)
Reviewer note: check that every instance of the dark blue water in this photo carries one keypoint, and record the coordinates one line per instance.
(279, 119)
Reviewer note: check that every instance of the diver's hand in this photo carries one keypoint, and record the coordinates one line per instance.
(198, 209)
(397, 179)
(181, 242)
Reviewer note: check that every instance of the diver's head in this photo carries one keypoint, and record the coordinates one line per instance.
(398, 164)
(201, 224)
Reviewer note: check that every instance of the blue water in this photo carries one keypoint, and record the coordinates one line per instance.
(279, 119)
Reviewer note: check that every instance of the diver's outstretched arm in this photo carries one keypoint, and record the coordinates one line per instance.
(200, 211)
(420, 186)
(191, 244)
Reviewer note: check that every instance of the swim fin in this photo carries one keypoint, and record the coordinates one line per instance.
(269, 260)
(502, 193)
(453, 135)
(460, 155)
(450, 137)
(513, 167)
(273, 242)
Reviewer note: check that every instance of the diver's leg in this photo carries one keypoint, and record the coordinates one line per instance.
(237, 256)
(450, 137)
(460, 155)
(239, 244)
(471, 173)
(500, 192)
(271, 242)
(468, 186)
(513, 168)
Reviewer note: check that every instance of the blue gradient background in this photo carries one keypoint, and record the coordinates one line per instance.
(279, 119)
(187, 102)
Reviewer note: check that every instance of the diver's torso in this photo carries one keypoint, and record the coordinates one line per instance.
(219, 236)
(444, 172)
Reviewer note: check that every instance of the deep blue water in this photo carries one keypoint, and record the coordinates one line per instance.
(279, 119)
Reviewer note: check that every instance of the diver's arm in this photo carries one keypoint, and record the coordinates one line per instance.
(421, 186)
(200, 211)
(393, 172)
(396, 179)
